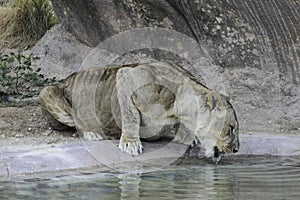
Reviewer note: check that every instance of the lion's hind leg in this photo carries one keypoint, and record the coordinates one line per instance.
(56, 108)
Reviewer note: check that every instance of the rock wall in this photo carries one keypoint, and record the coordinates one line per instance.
(254, 43)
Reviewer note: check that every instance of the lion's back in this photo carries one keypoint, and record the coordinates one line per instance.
(90, 93)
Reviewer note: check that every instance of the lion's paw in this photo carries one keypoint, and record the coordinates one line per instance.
(91, 136)
(132, 146)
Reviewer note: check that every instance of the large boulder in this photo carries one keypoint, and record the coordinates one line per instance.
(61, 53)
(254, 45)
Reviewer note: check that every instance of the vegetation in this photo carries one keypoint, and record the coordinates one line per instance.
(18, 78)
(25, 22)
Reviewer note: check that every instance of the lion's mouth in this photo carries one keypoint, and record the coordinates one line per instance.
(228, 150)
(218, 154)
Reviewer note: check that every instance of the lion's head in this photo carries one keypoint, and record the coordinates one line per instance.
(228, 141)
(222, 130)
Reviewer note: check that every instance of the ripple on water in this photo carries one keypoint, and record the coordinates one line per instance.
(184, 182)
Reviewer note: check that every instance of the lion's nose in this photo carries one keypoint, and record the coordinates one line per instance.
(234, 150)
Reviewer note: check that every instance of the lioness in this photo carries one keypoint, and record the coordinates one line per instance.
(146, 101)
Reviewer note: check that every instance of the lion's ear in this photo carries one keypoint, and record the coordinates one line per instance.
(215, 100)
(211, 101)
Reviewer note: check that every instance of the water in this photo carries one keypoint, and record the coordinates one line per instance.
(176, 182)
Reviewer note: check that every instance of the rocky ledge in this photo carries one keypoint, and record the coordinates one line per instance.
(91, 157)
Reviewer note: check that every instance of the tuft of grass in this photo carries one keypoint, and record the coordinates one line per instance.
(34, 17)
(5, 3)
(25, 22)
(7, 18)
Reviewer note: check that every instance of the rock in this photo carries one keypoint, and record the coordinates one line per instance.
(252, 46)
(3, 124)
(3, 97)
(96, 20)
(47, 132)
(103, 156)
(61, 54)
(19, 135)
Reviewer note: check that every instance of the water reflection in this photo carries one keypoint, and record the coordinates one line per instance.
(209, 182)
(177, 182)
(193, 183)
(130, 185)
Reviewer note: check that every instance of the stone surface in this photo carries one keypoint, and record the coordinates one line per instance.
(93, 21)
(91, 157)
(3, 123)
(61, 54)
(253, 45)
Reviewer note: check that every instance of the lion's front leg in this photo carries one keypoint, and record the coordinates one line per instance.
(130, 145)
(130, 138)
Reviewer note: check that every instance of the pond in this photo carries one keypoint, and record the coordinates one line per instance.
(188, 181)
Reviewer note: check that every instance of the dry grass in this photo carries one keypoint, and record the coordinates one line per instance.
(6, 3)
(25, 22)
(7, 19)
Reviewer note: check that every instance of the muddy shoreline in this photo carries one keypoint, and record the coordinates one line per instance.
(25, 128)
